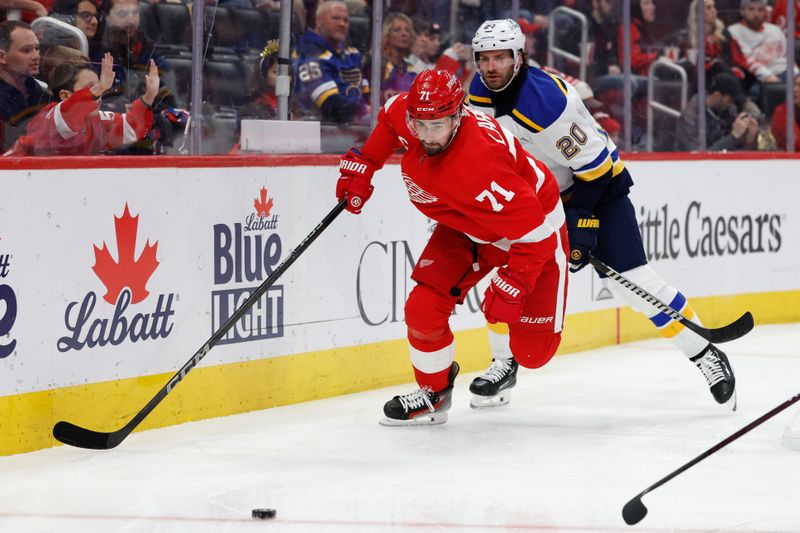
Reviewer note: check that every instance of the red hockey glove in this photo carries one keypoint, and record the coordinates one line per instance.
(504, 297)
(355, 180)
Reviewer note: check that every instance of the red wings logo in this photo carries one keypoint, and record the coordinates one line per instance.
(127, 272)
(262, 205)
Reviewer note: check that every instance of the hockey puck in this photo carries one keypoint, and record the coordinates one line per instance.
(264, 514)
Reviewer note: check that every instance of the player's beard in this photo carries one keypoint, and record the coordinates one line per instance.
(497, 80)
(433, 148)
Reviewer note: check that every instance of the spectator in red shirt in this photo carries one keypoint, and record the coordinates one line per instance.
(644, 47)
(721, 50)
(778, 124)
(76, 125)
(778, 15)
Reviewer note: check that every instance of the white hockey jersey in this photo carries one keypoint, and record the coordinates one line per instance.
(548, 116)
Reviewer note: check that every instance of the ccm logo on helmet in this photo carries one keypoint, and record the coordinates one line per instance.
(353, 166)
(424, 109)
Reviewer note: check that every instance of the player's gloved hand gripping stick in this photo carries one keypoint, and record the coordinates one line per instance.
(73, 435)
(504, 297)
(582, 227)
(355, 180)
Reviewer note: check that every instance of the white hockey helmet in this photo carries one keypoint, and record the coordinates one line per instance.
(502, 34)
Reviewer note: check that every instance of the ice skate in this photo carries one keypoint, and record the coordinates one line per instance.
(791, 433)
(493, 387)
(714, 365)
(423, 407)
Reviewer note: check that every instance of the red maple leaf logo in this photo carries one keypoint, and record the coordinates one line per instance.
(262, 205)
(127, 272)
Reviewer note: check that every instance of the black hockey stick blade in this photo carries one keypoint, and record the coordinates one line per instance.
(634, 510)
(80, 437)
(738, 328)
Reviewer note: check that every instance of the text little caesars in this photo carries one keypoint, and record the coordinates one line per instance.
(667, 234)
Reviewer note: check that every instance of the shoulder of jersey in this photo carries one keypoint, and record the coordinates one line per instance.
(541, 101)
(486, 144)
(396, 104)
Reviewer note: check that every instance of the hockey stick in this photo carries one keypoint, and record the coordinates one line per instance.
(634, 510)
(738, 328)
(96, 440)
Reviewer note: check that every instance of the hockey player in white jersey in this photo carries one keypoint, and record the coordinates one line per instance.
(550, 119)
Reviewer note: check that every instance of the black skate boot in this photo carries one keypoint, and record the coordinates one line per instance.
(421, 407)
(493, 387)
(714, 365)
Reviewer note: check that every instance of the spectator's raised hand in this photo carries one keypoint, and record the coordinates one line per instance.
(464, 53)
(106, 76)
(151, 83)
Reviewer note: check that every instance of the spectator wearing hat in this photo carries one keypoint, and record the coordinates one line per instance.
(726, 127)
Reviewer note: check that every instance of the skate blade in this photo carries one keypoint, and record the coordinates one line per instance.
(485, 402)
(427, 419)
(731, 403)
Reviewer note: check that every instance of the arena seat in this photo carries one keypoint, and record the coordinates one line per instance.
(224, 83)
(174, 23)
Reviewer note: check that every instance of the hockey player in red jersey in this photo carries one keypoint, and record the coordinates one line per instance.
(496, 207)
(76, 125)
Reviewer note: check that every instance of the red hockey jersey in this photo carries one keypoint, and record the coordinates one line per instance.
(77, 126)
(483, 184)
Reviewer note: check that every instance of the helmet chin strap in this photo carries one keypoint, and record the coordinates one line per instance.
(517, 67)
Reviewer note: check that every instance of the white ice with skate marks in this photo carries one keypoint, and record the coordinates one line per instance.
(579, 439)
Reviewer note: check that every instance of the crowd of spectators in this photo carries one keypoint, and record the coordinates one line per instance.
(745, 61)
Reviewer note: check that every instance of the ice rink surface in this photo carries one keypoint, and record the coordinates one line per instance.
(580, 438)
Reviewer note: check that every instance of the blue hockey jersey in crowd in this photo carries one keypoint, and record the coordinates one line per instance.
(329, 82)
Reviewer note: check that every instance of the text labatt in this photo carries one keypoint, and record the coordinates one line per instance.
(697, 234)
(240, 255)
(9, 316)
(89, 331)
